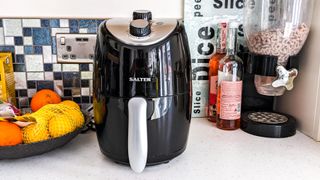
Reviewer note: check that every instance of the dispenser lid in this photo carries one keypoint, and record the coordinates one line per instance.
(268, 124)
(160, 29)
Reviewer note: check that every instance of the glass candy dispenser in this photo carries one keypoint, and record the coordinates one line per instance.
(275, 31)
(277, 28)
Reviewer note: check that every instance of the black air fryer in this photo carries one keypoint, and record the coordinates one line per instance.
(142, 90)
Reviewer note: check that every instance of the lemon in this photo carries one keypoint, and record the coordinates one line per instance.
(75, 113)
(61, 125)
(70, 104)
(35, 133)
(52, 120)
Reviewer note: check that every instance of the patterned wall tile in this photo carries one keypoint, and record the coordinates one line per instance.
(86, 75)
(45, 23)
(48, 76)
(37, 49)
(84, 83)
(19, 58)
(57, 76)
(54, 31)
(67, 92)
(12, 27)
(31, 85)
(57, 67)
(28, 49)
(31, 23)
(27, 41)
(85, 99)
(64, 22)
(34, 46)
(74, 26)
(54, 58)
(70, 67)
(84, 67)
(9, 40)
(35, 76)
(48, 67)
(41, 36)
(27, 32)
(91, 25)
(20, 79)
(18, 40)
(85, 91)
(47, 54)
(1, 36)
(31, 92)
(7, 48)
(44, 85)
(19, 50)
(34, 63)
(77, 99)
(54, 45)
(76, 92)
(83, 30)
(23, 93)
(71, 79)
(19, 68)
(54, 23)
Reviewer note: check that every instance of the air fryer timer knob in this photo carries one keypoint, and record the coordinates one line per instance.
(140, 28)
(142, 14)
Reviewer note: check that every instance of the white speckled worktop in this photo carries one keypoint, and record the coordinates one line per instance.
(211, 154)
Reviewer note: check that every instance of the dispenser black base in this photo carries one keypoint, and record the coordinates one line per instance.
(274, 126)
(258, 117)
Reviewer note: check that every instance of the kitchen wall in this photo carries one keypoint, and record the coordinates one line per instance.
(29, 32)
(303, 102)
(33, 43)
(89, 9)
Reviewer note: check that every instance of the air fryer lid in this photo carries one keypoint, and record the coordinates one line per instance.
(123, 30)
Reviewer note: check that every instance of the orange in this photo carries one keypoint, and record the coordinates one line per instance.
(10, 134)
(70, 104)
(44, 97)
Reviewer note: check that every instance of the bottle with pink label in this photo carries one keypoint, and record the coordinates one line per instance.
(213, 70)
(230, 75)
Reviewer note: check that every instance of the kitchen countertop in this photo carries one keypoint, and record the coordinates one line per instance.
(211, 154)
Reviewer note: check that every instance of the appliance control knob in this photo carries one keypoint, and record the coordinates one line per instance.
(140, 28)
(142, 14)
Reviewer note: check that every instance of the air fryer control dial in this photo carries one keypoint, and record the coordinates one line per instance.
(142, 14)
(161, 29)
(140, 28)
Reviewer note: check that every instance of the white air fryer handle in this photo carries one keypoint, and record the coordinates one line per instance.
(137, 134)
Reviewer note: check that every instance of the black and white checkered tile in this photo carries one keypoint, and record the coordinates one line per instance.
(33, 43)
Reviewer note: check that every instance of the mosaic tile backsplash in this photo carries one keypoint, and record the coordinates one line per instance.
(33, 43)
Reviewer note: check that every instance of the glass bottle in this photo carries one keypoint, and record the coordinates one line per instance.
(230, 76)
(213, 70)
